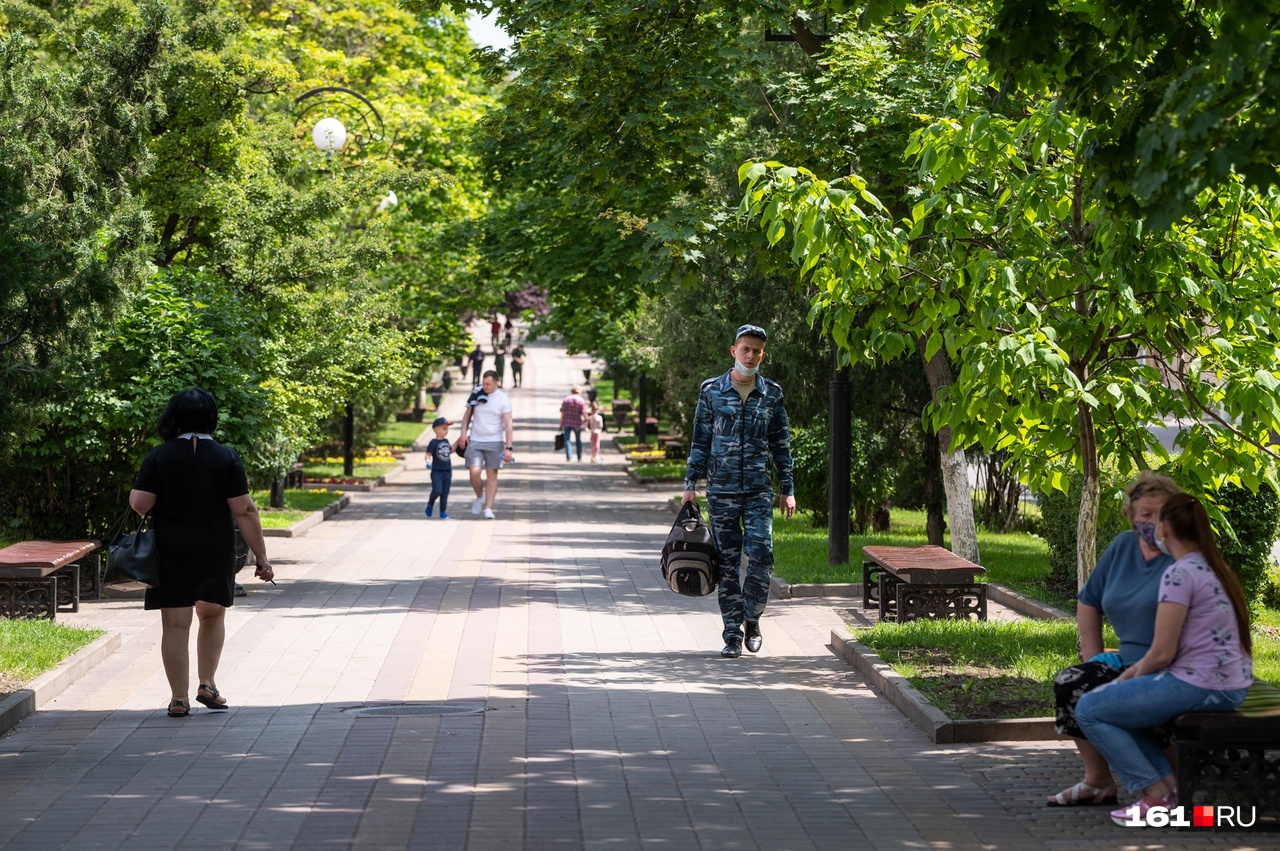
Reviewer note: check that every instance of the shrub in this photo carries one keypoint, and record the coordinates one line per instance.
(1255, 519)
(1060, 512)
(872, 472)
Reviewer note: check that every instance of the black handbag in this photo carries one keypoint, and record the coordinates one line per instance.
(560, 441)
(132, 561)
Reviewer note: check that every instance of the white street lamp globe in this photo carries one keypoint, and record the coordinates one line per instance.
(389, 201)
(329, 135)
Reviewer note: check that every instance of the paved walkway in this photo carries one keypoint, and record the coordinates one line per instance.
(603, 715)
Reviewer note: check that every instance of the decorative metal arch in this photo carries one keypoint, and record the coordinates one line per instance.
(363, 121)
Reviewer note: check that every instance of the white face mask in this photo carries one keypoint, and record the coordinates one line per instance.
(748, 371)
(1160, 543)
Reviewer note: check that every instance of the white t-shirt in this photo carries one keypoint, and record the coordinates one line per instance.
(486, 417)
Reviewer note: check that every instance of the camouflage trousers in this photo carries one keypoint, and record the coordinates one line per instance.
(742, 524)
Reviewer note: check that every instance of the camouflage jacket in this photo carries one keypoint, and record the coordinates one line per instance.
(732, 440)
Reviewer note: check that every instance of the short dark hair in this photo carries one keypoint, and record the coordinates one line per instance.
(193, 409)
(490, 373)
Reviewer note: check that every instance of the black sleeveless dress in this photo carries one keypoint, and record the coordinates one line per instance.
(192, 480)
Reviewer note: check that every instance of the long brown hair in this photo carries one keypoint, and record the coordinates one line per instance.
(1187, 521)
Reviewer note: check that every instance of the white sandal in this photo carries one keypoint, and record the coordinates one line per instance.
(1083, 795)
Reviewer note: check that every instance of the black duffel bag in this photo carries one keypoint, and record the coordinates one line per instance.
(690, 564)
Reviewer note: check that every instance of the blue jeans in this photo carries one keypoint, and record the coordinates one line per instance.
(441, 484)
(1117, 719)
(577, 437)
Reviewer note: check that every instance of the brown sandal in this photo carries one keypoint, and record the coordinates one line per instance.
(179, 708)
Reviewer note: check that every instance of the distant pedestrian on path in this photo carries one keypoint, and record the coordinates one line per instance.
(476, 359)
(595, 422)
(500, 363)
(488, 436)
(741, 422)
(573, 415)
(192, 486)
(510, 328)
(517, 365)
(440, 463)
(495, 329)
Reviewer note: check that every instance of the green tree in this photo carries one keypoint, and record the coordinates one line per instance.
(1175, 95)
(1075, 327)
(73, 234)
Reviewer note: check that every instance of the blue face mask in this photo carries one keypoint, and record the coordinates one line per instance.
(748, 371)
(1146, 531)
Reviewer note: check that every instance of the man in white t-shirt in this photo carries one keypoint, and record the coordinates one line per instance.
(487, 438)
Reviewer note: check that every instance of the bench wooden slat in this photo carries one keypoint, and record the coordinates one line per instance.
(46, 555)
(927, 559)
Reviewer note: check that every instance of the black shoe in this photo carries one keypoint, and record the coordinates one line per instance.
(238, 590)
(732, 650)
(754, 639)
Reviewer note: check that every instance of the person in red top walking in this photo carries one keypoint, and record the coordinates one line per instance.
(573, 415)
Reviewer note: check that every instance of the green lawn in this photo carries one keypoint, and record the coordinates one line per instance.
(1016, 559)
(658, 471)
(298, 504)
(402, 434)
(604, 390)
(966, 667)
(31, 647)
(359, 471)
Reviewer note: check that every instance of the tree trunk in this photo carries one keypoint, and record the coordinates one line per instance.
(935, 526)
(955, 468)
(1090, 493)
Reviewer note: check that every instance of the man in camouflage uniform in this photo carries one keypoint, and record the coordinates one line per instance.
(739, 423)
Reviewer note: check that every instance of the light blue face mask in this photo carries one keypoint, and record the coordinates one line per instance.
(748, 371)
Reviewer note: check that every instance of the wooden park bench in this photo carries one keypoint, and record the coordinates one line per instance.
(42, 578)
(1232, 759)
(907, 583)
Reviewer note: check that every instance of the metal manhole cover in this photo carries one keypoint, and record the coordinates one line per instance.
(411, 710)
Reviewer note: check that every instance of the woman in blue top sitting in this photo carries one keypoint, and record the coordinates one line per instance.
(1199, 661)
(1122, 588)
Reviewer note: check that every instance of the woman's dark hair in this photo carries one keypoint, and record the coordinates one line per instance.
(1187, 521)
(192, 409)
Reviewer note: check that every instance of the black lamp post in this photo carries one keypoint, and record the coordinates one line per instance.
(330, 135)
(838, 456)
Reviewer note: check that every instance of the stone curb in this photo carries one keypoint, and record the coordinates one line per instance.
(932, 721)
(653, 484)
(1026, 606)
(50, 684)
(782, 590)
(313, 519)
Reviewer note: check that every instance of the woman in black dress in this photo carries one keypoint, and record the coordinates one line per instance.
(192, 486)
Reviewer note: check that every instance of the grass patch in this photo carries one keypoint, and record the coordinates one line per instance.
(1266, 646)
(658, 471)
(1005, 669)
(401, 434)
(988, 669)
(28, 648)
(604, 391)
(321, 470)
(1016, 559)
(298, 504)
